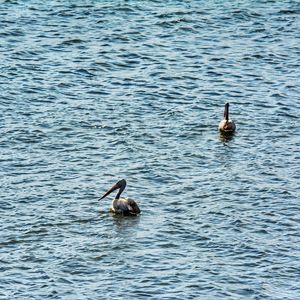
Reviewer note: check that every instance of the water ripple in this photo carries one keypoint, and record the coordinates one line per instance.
(97, 91)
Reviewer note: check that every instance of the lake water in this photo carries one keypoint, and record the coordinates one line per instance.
(96, 91)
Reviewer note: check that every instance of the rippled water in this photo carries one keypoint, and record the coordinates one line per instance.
(96, 91)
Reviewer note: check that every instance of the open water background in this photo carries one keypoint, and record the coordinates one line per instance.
(96, 91)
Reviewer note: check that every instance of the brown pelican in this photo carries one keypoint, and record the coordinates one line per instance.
(226, 125)
(125, 206)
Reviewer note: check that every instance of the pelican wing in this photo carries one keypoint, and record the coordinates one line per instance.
(227, 125)
(133, 207)
(230, 126)
(126, 207)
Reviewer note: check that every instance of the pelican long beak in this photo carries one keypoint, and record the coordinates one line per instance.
(121, 184)
(226, 112)
(113, 188)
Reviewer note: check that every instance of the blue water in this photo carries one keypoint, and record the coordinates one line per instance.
(96, 91)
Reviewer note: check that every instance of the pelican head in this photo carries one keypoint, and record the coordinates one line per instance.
(121, 184)
(226, 125)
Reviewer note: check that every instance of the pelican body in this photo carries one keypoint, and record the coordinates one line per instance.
(124, 206)
(226, 125)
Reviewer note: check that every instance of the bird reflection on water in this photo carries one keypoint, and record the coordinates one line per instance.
(123, 223)
(226, 137)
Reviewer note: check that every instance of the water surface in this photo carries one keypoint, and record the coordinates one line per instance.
(97, 91)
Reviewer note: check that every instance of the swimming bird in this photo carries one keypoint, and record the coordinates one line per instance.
(226, 125)
(124, 206)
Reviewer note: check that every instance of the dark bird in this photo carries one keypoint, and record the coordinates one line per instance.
(226, 125)
(124, 206)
